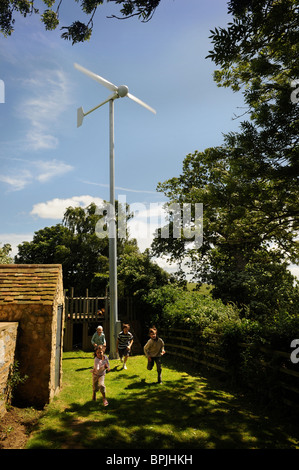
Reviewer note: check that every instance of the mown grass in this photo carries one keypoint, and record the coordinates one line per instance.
(188, 411)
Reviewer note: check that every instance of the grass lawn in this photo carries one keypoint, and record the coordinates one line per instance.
(188, 411)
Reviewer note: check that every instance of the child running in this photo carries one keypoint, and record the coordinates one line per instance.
(101, 365)
(153, 350)
(124, 343)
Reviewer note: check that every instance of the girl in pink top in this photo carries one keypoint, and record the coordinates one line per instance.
(101, 365)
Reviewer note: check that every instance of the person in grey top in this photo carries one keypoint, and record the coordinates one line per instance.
(153, 350)
(98, 338)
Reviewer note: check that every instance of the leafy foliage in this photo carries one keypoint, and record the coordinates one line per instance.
(5, 258)
(173, 306)
(137, 274)
(77, 31)
(13, 380)
(249, 185)
(258, 53)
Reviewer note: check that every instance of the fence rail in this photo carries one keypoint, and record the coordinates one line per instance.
(287, 379)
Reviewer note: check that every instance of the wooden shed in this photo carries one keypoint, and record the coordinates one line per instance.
(32, 296)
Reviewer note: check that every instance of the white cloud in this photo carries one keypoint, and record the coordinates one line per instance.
(51, 168)
(38, 170)
(132, 190)
(48, 97)
(17, 180)
(55, 208)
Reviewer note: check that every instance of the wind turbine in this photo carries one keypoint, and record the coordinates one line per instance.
(118, 92)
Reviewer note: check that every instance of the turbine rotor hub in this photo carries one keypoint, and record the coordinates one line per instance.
(122, 91)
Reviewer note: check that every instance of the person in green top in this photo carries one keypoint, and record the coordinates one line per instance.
(98, 338)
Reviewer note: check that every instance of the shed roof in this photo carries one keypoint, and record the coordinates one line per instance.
(29, 283)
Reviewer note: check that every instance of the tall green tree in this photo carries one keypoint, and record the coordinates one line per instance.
(249, 185)
(137, 274)
(244, 231)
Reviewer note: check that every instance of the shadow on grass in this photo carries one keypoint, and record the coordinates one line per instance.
(180, 414)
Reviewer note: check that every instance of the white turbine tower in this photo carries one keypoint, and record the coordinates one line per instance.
(118, 92)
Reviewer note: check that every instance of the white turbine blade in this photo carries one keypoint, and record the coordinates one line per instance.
(137, 100)
(96, 77)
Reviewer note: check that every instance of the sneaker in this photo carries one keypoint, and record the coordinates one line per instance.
(124, 366)
(105, 402)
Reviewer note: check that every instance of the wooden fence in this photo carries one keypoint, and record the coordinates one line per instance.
(85, 308)
(279, 376)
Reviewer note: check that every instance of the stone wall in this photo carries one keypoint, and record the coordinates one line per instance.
(33, 350)
(30, 295)
(8, 336)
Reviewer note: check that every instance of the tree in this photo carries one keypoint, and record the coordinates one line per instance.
(77, 31)
(4, 254)
(137, 274)
(244, 230)
(249, 185)
(258, 52)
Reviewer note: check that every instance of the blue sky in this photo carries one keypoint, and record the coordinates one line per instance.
(48, 164)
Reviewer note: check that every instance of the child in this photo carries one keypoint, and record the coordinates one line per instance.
(98, 338)
(101, 364)
(153, 350)
(124, 343)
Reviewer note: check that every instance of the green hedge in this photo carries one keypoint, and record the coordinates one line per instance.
(222, 326)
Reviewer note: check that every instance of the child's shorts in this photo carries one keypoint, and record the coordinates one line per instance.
(123, 352)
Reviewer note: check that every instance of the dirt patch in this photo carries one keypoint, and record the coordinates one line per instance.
(16, 426)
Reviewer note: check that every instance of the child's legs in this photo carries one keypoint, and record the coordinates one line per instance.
(122, 353)
(95, 383)
(126, 355)
(150, 363)
(102, 385)
(159, 367)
